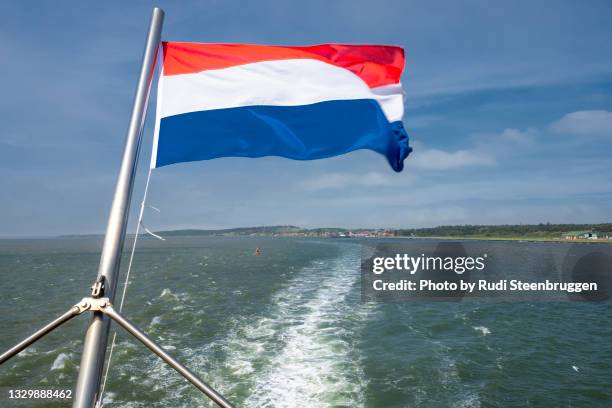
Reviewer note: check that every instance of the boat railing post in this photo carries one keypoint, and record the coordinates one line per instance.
(96, 338)
(43, 331)
(97, 304)
(161, 353)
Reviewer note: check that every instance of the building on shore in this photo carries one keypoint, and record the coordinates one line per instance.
(580, 235)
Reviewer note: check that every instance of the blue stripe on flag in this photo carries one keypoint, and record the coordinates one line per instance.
(304, 132)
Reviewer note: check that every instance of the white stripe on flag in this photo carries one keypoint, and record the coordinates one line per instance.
(272, 83)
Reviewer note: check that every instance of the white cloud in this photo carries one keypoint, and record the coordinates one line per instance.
(585, 123)
(375, 179)
(420, 121)
(524, 137)
(434, 159)
(500, 141)
(343, 180)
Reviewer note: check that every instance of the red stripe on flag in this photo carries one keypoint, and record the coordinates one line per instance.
(376, 65)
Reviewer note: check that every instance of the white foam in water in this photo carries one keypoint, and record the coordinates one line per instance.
(298, 353)
(109, 397)
(28, 351)
(169, 295)
(314, 367)
(470, 401)
(166, 292)
(60, 362)
(482, 329)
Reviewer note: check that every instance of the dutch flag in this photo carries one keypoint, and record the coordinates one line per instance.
(303, 103)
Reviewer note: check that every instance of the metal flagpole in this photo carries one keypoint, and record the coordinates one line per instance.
(96, 339)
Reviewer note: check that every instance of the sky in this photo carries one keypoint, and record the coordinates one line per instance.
(508, 106)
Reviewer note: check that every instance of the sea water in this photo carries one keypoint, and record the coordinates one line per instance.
(288, 329)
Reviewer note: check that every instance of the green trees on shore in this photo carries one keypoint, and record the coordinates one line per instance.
(528, 230)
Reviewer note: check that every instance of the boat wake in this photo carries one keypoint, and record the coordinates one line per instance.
(301, 352)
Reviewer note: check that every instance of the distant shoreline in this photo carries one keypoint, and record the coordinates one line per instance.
(439, 238)
(515, 239)
(567, 233)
